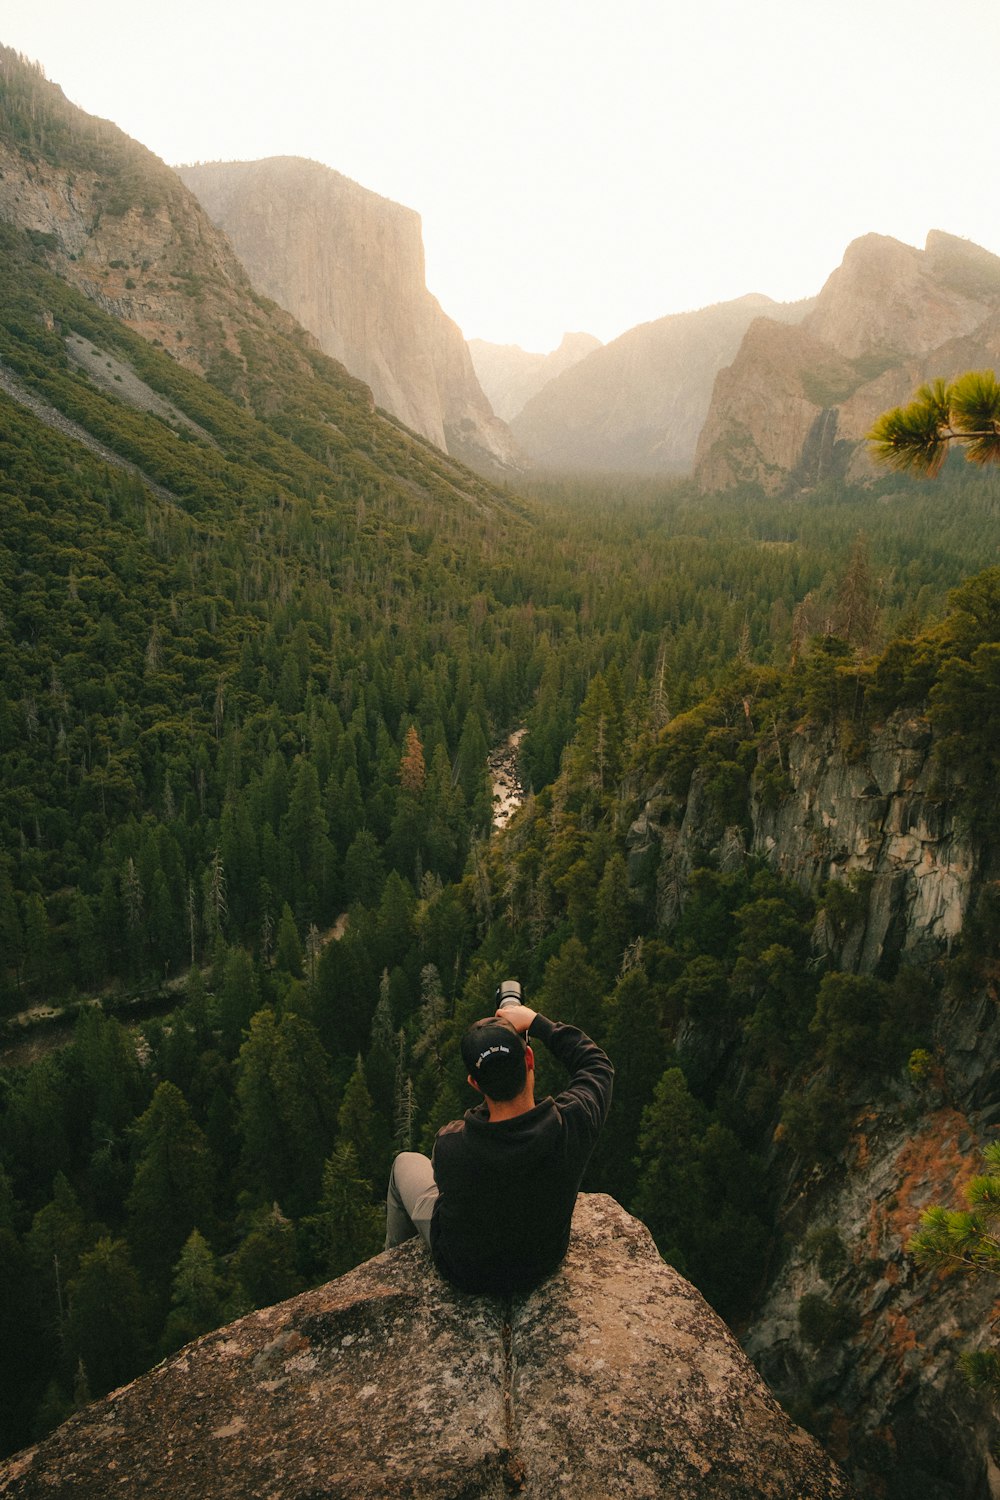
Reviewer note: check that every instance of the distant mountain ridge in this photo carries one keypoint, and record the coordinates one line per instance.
(349, 265)
(796, 403)
(510, 375)
(638, 403)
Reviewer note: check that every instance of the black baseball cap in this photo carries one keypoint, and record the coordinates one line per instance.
(493, 1053)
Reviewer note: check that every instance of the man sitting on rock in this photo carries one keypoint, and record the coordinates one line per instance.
(495, 1201)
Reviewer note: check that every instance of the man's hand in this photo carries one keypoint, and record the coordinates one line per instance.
(519, 1016)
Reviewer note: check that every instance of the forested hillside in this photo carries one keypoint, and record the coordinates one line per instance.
(260, 695)
(254, 650)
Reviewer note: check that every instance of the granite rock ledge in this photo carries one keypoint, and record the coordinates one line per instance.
(613, 1378)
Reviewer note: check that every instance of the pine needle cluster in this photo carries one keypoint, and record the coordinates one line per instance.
(916, 438)
(968, 1239)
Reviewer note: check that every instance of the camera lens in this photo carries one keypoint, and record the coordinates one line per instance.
(509, 992)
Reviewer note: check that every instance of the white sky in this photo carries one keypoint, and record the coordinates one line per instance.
(587, 165)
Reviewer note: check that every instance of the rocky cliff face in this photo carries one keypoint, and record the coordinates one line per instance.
(109, 217)
(122, 228)
(872, 812)
(638, 403)
(886, 1389)
(875, 813)
(510, 375)
(887, 1392)
(796, 403)
(883, 1385)
(613, 1379)
(349, 265)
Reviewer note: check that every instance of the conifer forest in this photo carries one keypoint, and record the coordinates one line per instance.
(253, 660)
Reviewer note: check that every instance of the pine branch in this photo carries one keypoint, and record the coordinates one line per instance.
(915, 438)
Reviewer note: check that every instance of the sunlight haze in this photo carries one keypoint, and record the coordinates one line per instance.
(575, 166)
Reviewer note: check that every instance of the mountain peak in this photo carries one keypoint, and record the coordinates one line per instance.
(577, 344)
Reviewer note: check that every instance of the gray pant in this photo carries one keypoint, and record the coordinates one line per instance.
(409, 1203)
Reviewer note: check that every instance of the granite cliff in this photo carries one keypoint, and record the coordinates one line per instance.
(154, 260)
(877, 1366)
(98, 210)
(873, 812)
(510, 375)
(113, 220)
(349, 265)
(794, 406)
(638, 403)
(614, 1378)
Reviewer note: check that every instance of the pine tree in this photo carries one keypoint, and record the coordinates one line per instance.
(305, 835)
(636, 1043)
(471, 770)
(58, 1238)
(238, 998)
(107, 1316)
(433, 1026)
(196, 1295)
(264, 1265)
(288, 954)
(404, 1116)
(572, 990)
(615, 918)
(363, 1128)
(364, 870)
(348, 1227)
(412, 770)
(172, 1191)
(286, 1110)
(215, 893)
(857, 606)
(670, 1186)
(380, 1064)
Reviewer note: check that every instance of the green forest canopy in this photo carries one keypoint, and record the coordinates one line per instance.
(249, 683)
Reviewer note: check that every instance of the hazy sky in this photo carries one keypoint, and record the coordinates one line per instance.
(587, 165)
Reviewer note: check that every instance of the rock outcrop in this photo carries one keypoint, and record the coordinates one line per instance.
(613, 1379)
(154, 260)
(638, 403)
(872, 812)
(796, 403)
(510, 375)
(349, 265)
(879, 1356)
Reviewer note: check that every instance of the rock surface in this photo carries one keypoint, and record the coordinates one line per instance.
(154, 260)
(120, 226)
(349, 265)
(613, 1379)
(796, 403)
(888, 1391)
(638, 403)
(871, 812)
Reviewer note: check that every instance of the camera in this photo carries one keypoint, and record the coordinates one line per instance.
(509, 992)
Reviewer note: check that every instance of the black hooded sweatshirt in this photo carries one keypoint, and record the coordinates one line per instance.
(507, 1189)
